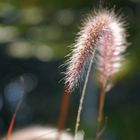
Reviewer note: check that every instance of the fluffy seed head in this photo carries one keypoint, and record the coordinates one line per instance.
(102, 34)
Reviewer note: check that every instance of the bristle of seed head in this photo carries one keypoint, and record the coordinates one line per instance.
(110, 50)
(102, 31)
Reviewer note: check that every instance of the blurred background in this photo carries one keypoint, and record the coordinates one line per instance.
(34, 40)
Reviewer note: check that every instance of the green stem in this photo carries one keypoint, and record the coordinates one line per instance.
(82, 96)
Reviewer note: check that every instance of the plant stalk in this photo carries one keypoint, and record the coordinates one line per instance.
(63, 110)
(100, 112)
(82, 97)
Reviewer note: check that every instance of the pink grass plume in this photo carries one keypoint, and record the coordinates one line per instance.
(103, 37)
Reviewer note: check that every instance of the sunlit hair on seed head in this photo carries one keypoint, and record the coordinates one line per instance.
(103, 35)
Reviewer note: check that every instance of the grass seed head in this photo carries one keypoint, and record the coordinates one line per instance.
(103, 35)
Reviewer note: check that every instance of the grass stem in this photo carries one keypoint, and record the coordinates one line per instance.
(100, 112)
